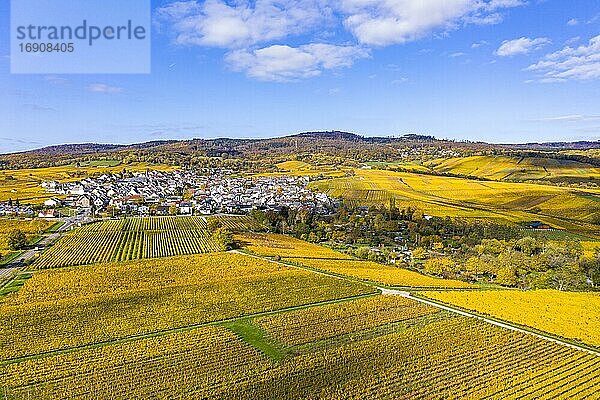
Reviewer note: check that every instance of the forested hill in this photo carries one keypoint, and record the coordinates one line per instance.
(332, 147)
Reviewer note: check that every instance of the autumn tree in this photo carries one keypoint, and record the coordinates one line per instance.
(223, 238)
(16, 240)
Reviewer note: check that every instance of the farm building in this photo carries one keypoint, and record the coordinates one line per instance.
(538, 226)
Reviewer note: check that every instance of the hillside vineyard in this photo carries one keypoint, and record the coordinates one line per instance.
(382, 268)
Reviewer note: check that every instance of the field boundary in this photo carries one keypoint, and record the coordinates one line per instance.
(288, 262)
(457, 310)
(497, 322)
(164, 332)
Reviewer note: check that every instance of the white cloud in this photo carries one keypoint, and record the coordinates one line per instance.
(257, 33)
(521, 46)
(580, 63)
(573, 22)
(103, 88)
(56, 80)
(594, 19)
(386, 22)
(479, 44)
(38, 108)
(241, 23)
(570, 118)
(219, 23)
(284, 63)
(457, 55)
(400, 81)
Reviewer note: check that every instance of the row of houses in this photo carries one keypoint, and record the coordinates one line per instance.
(7, 209)
(186, 192)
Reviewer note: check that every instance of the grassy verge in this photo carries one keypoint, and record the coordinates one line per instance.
(168, 331)
(15, 284)
(252, 334)
(10, 257)
(55, 227)
(35, 240)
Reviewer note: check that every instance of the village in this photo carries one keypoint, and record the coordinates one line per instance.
(182, 192)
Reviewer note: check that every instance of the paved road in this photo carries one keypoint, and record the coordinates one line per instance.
(19, 263)
(392, 292)
(489, 321)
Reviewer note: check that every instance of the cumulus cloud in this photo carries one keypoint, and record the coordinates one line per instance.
(522, 45)
(256, 33)
(218, 23)
(103, 88)
(580, 63)
(240, 23)
(284, 63)
(385, 22)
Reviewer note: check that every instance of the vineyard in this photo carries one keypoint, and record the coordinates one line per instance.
(300, 168)
(238, 223)
(571, 315)
(574, 210)
(29, 227)
(318, 323)
(138, 238)
(70, 307)
(379, 273)
(137, 312)
(455, 358)
(513, 168)
(304, 254)
(272, 245)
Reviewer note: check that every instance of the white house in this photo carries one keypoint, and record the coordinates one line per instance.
(47, 214)
(50, 184)
(77, 190)
(185, 208)
(52, 202)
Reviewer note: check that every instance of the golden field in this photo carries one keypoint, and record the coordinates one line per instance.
(513, 168)
(590, 249)
(273, 245)
(574, 210)
(132, 239)
(313, 256)
(575, 316)
(213, 355)
(30, 227)
(69, 307)
(318, 323)
(227, 325)
(301, 168)
(456, 358)
(379, 273)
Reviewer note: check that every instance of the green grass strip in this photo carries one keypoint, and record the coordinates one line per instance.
(252, 334)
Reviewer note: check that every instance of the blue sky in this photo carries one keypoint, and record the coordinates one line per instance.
(492, 70)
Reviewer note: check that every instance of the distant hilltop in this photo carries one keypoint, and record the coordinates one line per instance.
(340, 144)
(319, 136)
